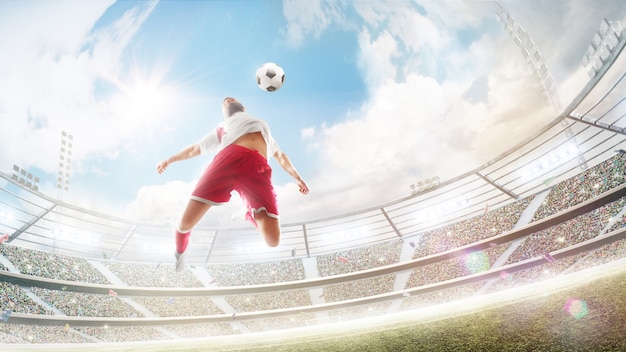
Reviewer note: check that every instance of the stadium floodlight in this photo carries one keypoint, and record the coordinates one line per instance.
(602, 46)
(424, 185)
(25, 178)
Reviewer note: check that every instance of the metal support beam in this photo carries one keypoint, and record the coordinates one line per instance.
(208, 255)
(128, 236)
(306, 241)
(393, 226)
(502, 189)
(30, 223)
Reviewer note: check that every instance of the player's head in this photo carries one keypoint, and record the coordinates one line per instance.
(231, 106)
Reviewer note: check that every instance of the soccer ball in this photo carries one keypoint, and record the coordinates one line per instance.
(270, 77)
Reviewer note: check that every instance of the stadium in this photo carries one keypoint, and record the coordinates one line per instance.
(465, 263)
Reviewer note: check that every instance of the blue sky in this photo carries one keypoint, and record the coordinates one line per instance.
(378, 94)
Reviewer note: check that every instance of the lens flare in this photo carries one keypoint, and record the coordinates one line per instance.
(476, 262)
(576, 308)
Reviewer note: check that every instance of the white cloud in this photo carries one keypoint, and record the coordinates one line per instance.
(158, 202)
(463, 15)
(308, 17)
(49, 77)
(375, 61)
(164, 204)
(308, 132)
(417, 125)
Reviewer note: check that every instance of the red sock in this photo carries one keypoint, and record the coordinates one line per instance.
(182, 240)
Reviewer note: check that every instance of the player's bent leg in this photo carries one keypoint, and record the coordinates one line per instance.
(269, 227)
(192, 215)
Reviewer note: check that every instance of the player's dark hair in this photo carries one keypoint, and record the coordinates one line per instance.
(233, 107)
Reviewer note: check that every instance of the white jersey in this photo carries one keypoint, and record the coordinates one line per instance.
(233, 127)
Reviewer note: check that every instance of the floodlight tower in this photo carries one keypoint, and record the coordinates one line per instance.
(541, 72)
(63, 178)
(533, 56)
(603, 45)
(65, 160)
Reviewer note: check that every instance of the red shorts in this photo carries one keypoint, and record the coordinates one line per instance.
(237, 168)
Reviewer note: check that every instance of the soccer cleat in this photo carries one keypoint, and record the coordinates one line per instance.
(180, 261)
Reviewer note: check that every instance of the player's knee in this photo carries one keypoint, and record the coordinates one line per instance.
(272, 241)
(270, 228)
(271, 234)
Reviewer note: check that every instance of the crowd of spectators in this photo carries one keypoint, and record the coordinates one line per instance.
(468, 231)
(51, 265)
(440, 296)
(123, 333)
(256, 273)
(616, 222)
(588, 184)
(269, 301)
(467, 264)
(202, 330)
(151, 275)
(358, 259)
(86, 304)
(276, 323)
(179, 306)
(568, 233)
(16, 299)
(39, 334)
(20, 333)
(541, 272)
(608, 253)
(360, 312)
(562, 196)
(360, 288)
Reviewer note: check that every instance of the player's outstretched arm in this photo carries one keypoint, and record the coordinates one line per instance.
(286, 164)
(187, 153)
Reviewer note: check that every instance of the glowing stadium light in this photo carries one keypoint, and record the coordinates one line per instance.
(56, 232)
(453, 205)
(567, 151)
(434, 213)
(6, 215)
(345, 235)
(90, 239)
(74, 237)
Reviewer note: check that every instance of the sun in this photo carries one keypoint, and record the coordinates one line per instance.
(147, 98)
(146, 95)
(142, 100)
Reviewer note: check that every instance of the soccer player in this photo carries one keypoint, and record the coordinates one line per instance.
(244, 144)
